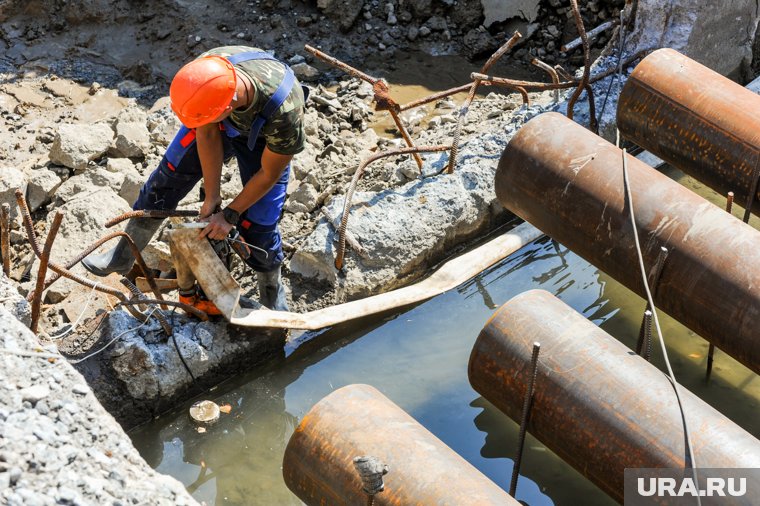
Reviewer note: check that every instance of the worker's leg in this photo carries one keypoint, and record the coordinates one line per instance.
(177, 173)
(258, 227)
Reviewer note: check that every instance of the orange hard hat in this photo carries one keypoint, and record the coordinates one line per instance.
(202, 90)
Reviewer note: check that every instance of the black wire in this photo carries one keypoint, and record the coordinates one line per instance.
(176, 346)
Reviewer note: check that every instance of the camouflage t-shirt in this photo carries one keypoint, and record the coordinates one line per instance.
(283, 132)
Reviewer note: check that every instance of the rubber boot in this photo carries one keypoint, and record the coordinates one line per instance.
(271, 291)
(119, 258)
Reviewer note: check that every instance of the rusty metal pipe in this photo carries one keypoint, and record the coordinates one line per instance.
(358, 420)
(598, 406)
(5, 237)
(694, 119)
(568, 182)
(42, 271)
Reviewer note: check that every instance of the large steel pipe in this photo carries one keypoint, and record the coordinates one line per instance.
(358, 420)
(596, 404)
(694, 118)
(568, 182)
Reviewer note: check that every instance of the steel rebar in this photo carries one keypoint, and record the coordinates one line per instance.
(711, 348)
(549, 70)
(5, 237)
(527, 403)
(150, 213)
(355, 181)
(42, 271)
(509, 44)
(584, 84)
(563, 73)
(644, 344)
(135, 252)
(434, 97)
(654, 284)
(406, 136)
(342, 66)
(173, 303)
(140, 298)
(591, 34)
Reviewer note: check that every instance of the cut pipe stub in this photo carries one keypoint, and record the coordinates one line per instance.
(695, 119)
(318, 465)
(205, 412)
(597, 405)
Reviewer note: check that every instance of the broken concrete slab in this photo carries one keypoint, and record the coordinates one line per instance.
(700, 30)
(10, 180)
(456, 207)
(42, 184)
(76, 145)
(143, 372)
(132, 139)
(499, 10)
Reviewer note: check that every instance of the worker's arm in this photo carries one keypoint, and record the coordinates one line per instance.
(272, 167)
(208, 138)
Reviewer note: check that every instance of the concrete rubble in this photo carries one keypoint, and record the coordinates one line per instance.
(58, 445)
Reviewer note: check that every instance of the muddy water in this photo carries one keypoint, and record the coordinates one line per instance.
(418, 358)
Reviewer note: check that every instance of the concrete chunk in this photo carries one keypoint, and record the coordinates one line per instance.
(77, 145)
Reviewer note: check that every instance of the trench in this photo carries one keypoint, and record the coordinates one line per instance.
(418, 358)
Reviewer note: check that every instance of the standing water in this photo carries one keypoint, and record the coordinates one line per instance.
(418, 358)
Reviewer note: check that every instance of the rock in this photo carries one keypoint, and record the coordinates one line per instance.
(412, 33)
(130, 188)
(424, 31)
(57, 293)
(76, 145)
(420, 8)
(499, 10)
(345, 12)
(436, 24)
(307, 195)
(88, 183)
(162, 123)
(42, 184)
(10, 180)
(157, 255)
(305, 72)
(132, 139)
(479, 42)
(34, 393)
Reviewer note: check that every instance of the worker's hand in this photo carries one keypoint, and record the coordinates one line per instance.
(210, 206)
(217, 227)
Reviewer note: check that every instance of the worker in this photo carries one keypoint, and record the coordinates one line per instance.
(232, 101)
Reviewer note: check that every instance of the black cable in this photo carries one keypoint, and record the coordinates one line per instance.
(176, 346)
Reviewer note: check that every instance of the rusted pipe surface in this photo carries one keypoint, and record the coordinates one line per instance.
(695, 119)
(598, 406)
(568, 182)
(359, 420)
(42, 271)
(5, 237)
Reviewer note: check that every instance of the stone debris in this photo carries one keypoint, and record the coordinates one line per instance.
(59, 448)
(75, 146)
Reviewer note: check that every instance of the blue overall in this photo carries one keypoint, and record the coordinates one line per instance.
(180, 170)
